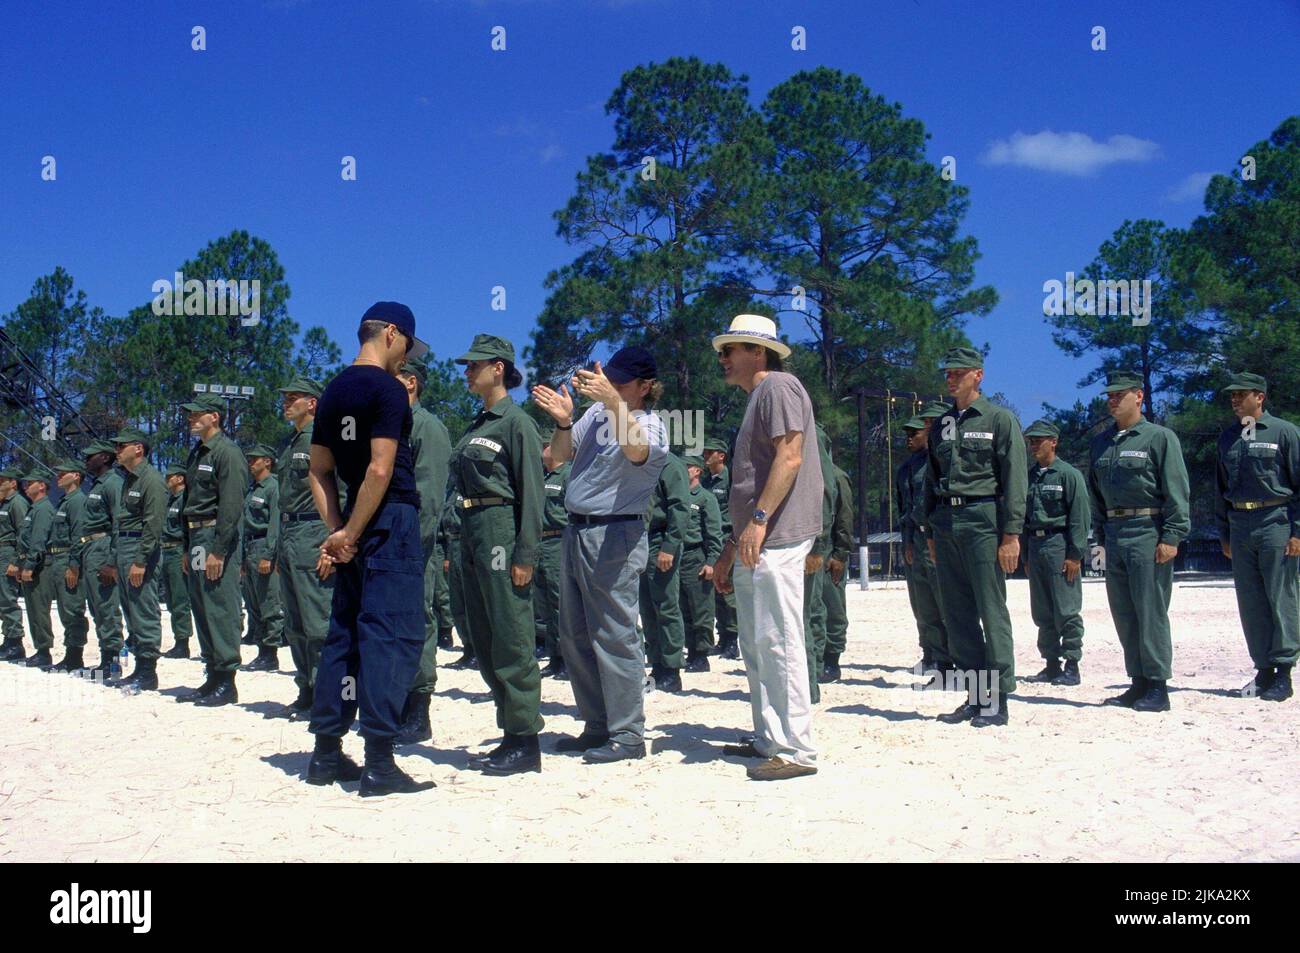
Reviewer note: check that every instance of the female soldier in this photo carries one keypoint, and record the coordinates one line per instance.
(495, 468)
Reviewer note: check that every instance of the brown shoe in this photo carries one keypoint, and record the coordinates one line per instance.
(774, 769)
(746, 750)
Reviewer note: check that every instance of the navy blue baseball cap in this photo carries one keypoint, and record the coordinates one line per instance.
(401, 317)
(630, 364)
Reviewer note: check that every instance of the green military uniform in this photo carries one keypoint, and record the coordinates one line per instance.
(174, 590)
(96, 552)
(814, 606)
(1257, 510)
(1138, 487)
(139, 543)
(546, 584)
(33, 544)
(216, 475)
(974, 494)
(431, 453)
(261, 542)
(69, 526)
(922, 577)
(702, 546)
(12, 512)
(724, 604)
(835, 595)
(1057, 521)
(305, 596)
(449, 540)
(660, 597)
(495, 469)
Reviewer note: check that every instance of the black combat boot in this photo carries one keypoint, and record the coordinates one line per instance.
(416, 728)
(382, 775)
(967, 712)
(555, 667)
(1131, 695)
(72, 662)
(467, 660)
(268, 660)
(830, 669)
(697, 662)
(993, 719)
(1280, 689)
(1069, 675)
(300, 708)
(1049, 671)
(329, 764)
(584, 742)
(444, 638)
(223, 694)
(143, 679)
(524, 754)
(12, 650)
(1263, 678)
(180, 650)
(478, 760)
(730, 650)
(1156, 697)
(203, 691)
(669, 680)
(40, 659)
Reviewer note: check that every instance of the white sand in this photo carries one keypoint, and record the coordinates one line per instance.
(112, 778)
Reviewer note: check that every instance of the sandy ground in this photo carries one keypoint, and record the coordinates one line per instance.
(88, 774)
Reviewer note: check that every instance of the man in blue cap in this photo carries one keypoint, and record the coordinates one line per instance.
(363, 431)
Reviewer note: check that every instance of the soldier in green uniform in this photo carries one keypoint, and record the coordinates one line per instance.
(495, 469)
(1257, 509)
(171, 566)
(661, 594)
(431, 455)
(306, 580)
(38, 580)
(1137, 482)
(96, 552)
(717, 480)
(974, 506)
(13, 508)
(700, 550)
(835, 589)
(814, 606)
(453, 567)
(922, 577)
(139, 551)
(1057, 520)
(70, 593)
(546, 584)
(216, 475)
(261, 541)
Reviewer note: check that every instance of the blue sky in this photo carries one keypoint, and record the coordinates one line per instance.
(463, 153)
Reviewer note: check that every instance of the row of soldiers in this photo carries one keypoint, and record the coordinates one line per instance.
(967, 496)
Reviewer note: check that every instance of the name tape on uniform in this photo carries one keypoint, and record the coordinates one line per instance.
(977, 435)
(1259, 445)
(485, 442)
(1140, 454)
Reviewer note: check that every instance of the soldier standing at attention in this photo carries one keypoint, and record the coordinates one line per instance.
(661, 593)
(717, 480)
(1139, 493)
(453, 568)
(700, 550)
(1056, 523)
(13, 508)
(216, 476)
(261, 541)
(306, 581)
(495, 466)
(546, 585)
(96, 551)
(70, 593)
(34, 566)
(974, 502)
(919, 569)
(171, 566)
(835, 589)
(139, 549)
(1257, 509)
(431, 456)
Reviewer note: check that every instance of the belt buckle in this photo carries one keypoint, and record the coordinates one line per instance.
(464, 504)
(954, 501)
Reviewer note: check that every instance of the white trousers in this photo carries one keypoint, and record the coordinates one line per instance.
(769, 620)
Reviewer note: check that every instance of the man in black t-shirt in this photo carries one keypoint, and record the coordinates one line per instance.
(362, 433)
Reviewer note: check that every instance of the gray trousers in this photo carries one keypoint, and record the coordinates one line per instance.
(600, 569)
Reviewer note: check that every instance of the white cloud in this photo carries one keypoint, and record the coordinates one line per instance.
(1072, 153)
(1192, 188)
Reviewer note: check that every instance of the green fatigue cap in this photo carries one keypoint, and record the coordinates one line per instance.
(38, 473)
(176, 469)
(488, 347)
(98, 446)
(260, 450)
(131, 435)
(936, 408)
(1247, 381)
(1043, 428)
(205, 404)
(914, 423)
(69, 466)
(9, 473)
(713, 443)
(959, 357)
(301, 385)
(694, 462)
(416, 369)
(1122, 380)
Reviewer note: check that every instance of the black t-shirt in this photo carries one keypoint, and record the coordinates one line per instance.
(361, 403)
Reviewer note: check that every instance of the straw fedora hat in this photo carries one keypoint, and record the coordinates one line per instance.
(752, 329)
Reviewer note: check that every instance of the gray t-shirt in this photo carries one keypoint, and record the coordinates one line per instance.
(777, 406)
(602, 481)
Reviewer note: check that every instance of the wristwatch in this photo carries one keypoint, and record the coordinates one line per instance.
(760, 517)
